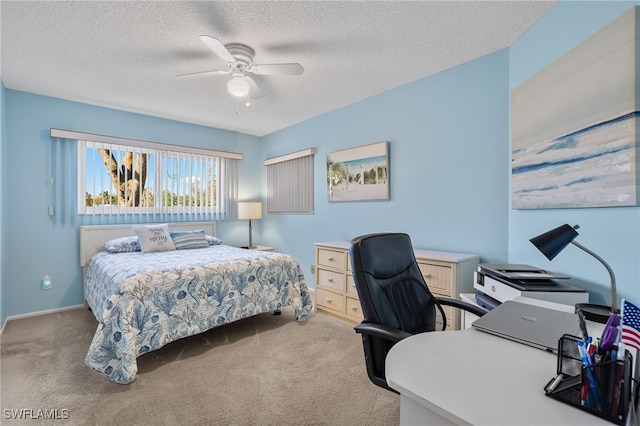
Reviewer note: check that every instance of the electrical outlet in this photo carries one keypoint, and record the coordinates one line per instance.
(313, 269)
(46, 283)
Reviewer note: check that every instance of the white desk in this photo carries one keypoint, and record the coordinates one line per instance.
(470, 377)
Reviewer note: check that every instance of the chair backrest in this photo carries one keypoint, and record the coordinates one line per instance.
(392, 294)
(389, 283)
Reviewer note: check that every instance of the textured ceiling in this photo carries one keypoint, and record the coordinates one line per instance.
(125, 55)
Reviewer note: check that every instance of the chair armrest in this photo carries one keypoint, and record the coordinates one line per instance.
(379, 330)
(476, 310)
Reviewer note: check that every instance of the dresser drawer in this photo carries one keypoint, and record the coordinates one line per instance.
(351, 287)
(332, 259)
(453, 317)
(447, 274)
(329, 300)
(439, 278)
(354, 309)
(452, 314)
(334, 280)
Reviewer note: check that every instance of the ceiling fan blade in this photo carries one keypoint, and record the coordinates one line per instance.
(218, 48)
(202, 74)
(277, 69)
(254, 90)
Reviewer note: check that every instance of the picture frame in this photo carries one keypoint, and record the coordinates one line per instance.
(359, 174)
(574, 126)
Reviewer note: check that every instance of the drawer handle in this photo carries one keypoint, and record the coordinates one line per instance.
(329, 300)
(354, 308)
(330, 259)
(330, 280)
(427, 276)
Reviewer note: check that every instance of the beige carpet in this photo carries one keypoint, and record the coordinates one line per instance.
(265, 370)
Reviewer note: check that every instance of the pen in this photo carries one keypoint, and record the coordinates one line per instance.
(555, 383)
(621, 351)
(617, 383)
(583, 325)
(591, 352)
(593, 386)
(584, 392)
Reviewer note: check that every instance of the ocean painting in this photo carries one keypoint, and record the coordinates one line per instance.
(575, 126)
(358, 174)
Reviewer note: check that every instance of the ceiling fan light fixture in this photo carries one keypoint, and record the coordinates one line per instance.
(238, 87)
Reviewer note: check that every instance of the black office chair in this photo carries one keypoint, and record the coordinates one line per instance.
(396, 302)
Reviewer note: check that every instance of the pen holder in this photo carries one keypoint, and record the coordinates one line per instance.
(602, 389)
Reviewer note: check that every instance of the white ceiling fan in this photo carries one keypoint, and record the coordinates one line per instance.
(239, 59)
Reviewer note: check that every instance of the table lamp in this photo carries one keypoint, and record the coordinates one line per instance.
(250, 210)
(553, 242)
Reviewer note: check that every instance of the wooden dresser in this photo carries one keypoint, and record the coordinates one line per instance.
(446, 273)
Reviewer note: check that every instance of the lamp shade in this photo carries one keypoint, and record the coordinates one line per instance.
(553, 242)
(238, 86)
(250, 210)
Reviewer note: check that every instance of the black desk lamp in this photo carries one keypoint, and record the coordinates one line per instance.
(553, 242)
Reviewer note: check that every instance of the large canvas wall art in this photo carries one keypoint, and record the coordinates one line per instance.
(575, 125)
(360, 173)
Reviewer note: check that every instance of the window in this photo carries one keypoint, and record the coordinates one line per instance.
(290, 182)
(121, 176)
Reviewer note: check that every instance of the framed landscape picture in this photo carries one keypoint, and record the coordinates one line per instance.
(360, 173)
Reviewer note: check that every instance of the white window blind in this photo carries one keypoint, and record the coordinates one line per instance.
(290, 182)
(117, 176)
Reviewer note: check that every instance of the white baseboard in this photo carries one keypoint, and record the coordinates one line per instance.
(37, 314)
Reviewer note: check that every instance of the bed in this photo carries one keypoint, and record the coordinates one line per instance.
(143, 301)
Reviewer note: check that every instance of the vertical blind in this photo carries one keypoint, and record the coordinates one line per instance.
(290, 182)
(149, 181)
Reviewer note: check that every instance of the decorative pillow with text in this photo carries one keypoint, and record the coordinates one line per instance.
(154, 238)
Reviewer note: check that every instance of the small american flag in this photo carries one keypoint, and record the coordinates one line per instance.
(630, 325)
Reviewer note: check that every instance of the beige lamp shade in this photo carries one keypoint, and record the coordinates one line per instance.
(250, 210)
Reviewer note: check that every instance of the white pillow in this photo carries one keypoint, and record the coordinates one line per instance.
(154, 238)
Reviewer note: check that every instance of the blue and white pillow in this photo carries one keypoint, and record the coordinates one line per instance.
(184, 240)
(123, 244)
(154, 238)
(213, 241)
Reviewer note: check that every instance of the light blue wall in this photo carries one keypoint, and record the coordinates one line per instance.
(35, 245)
(3, 311)
(612, 233)
(449, 174)
(448, 152)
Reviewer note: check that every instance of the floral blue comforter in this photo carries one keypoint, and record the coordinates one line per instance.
(143, 301)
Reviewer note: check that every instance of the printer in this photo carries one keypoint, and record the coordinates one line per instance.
(496, 283)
